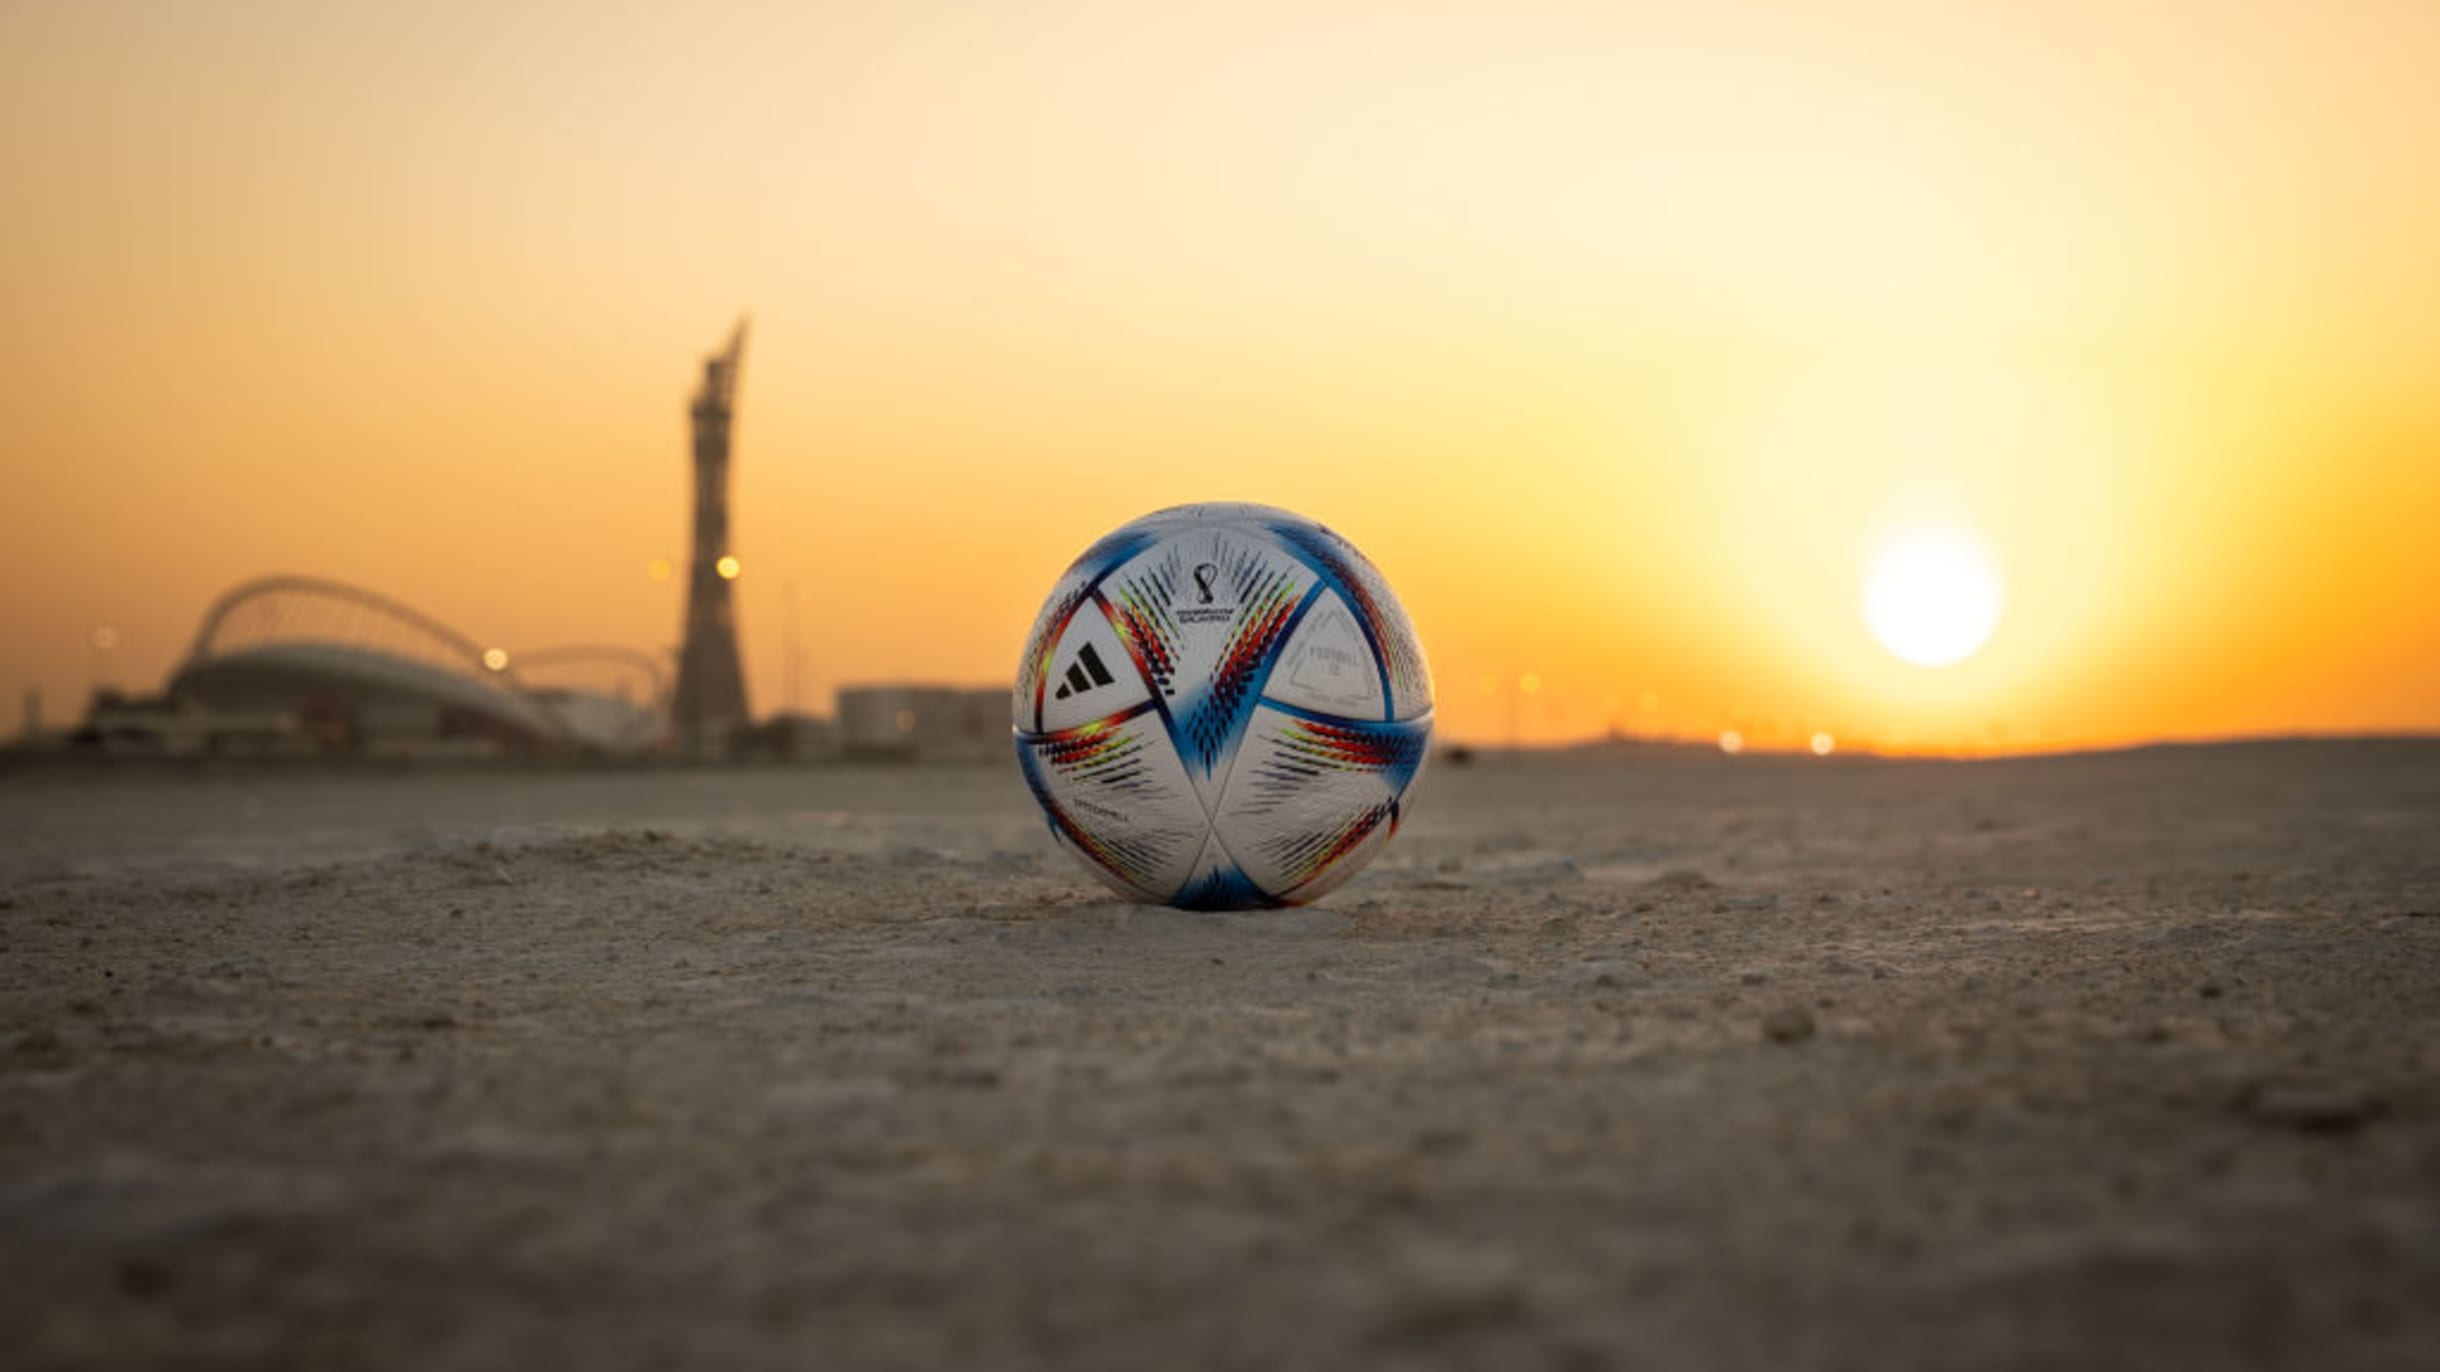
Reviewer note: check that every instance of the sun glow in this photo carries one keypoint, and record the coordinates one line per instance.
(1932, 596)
(1633, 412)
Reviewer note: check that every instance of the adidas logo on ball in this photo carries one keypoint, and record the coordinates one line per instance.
(1085, 673)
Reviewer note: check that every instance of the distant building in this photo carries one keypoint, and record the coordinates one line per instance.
(117, 723)
(305, 665)
(923, 723)
(788, 737)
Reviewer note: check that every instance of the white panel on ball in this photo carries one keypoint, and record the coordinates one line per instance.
(1115, 794)
(1327, 666)
(1090, 676)
(1307, 792)
(1378, 612)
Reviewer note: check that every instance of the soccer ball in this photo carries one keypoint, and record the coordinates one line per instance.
(1221, 707)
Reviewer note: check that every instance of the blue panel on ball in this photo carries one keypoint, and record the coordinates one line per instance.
(1213, 716)
(1223, 887)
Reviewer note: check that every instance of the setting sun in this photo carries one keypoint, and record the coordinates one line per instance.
(1932, 597)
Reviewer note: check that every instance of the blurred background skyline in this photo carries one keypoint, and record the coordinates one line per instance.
(1694, 369)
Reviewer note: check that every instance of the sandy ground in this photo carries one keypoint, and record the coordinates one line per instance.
(1671, 1062)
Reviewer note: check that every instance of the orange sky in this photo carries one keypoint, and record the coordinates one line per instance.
(1616, 334)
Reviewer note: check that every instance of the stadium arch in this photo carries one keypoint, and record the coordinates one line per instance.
(352, 670)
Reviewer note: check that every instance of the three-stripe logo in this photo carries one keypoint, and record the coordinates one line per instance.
(1085, 673)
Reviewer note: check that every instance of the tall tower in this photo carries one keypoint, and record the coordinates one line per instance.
(711, 697)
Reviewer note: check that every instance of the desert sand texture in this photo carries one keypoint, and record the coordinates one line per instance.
(1641, 1059)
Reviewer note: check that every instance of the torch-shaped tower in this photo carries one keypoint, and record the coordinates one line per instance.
(711, 696)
